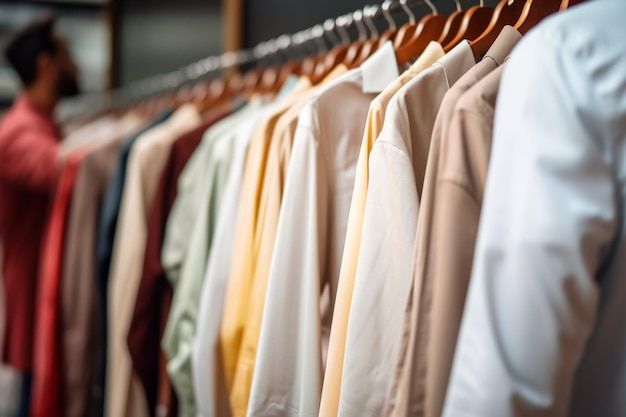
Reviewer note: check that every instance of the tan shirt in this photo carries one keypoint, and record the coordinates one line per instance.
(412, 385)
(79, 320)
(460, 188)
(125, 396)
(543, 323)
(397, 164)
(373, 126)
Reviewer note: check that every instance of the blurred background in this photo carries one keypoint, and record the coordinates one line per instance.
(116, 42)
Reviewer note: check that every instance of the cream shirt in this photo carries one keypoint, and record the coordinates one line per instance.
(310, 239)
(125, 396)
(373, 126)
(397, 165)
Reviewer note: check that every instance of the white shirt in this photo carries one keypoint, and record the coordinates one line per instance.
(544, 327)
(310, 239)
(383, 279)
(208, 375)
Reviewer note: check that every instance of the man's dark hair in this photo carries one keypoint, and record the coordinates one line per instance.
(27, 43)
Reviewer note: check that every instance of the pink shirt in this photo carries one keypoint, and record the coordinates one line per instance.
(29, 147)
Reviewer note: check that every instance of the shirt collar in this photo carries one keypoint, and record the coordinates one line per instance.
(380, 70)
(24, 103)
(182, 117)
(456, 62)
(503, 44)
(433, 52)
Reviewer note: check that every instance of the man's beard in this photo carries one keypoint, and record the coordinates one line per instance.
(67, 85)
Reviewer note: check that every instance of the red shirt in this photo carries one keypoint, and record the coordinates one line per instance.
(29, 147)
(47, 362)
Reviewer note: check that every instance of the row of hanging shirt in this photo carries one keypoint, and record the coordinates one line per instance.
(310, 254)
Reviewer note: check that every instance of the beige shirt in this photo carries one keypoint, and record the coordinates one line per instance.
(397, 164)
(125, 396)
(460, 188)
(543, 325)
(408, 388)
(310, 238)
(79, 320)
(373, 126)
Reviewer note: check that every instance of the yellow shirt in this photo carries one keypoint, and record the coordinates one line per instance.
(239, 288)
(266, 166)
(251, 266)
(332, 378)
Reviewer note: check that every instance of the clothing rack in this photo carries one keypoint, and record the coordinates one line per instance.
(314, 40)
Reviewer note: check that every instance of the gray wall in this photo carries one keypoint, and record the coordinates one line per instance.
(158, 36)
(266, 19)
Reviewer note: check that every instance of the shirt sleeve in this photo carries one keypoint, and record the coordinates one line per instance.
(30, 160)
(288, 373)
(181, 219)
(548, 217)
(382, 282)
(180, 330)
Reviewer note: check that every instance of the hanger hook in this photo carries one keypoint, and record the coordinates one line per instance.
(408, 11)
(432, 6)
(317, 33)
(329, 31)
(297, 40)
(340, 25)
(369, 13)
(358, 20)
(482, 3)
(284, 47)
(310, 48)
(388, 17)
(458, 5)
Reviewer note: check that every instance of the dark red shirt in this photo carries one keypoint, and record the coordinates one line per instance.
(29, 148)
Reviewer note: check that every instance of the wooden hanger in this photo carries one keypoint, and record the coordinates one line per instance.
(534, 12)
(430, 28)
(371, 45)
(337, 54)
(453, 24)
(505, 13)
(183, 96)
(287, 65)
(288, 69)
(474, 23)
(252, 78)
(407, 30)
(354, 49)
(317, 34)
(565, 4)
(217, 91)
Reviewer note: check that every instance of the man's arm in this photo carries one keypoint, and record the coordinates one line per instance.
(31, 160)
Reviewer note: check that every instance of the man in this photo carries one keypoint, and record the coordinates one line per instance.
(30, 160)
